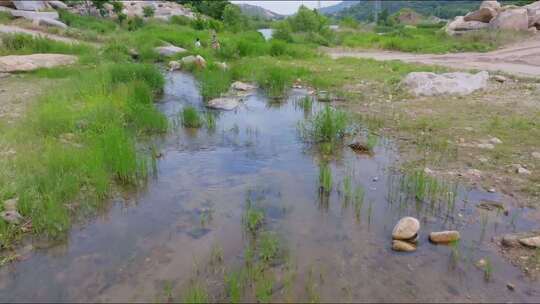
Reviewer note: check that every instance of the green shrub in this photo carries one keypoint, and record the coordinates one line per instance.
(148, 11)
(99, 25)
(213, 82)
(275, 80)
(180, 20)
(278, 48)
(135, 23)
(116, 52)
(123, 73)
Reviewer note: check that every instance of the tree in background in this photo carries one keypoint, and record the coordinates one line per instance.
(233, 18)
(212, 8)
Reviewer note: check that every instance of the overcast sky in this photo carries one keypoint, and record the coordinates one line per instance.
(287, 7)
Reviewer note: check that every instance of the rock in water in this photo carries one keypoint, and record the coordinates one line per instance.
(242, 86)
(24, 63)
(11, 217)
(403, 246)
(406, 229)
(174, 65)
(444, 237)
(197, 60)
(511, 19)
(431, 84)
(223, 103)
(169, 50)
(533, 242)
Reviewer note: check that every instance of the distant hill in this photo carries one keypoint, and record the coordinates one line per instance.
(258, 12)
(332, 9)
(364, 9)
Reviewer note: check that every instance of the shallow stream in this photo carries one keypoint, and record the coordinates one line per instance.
(162, 237)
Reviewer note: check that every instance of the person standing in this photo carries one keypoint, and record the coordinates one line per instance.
(215, 42)
(198, 43)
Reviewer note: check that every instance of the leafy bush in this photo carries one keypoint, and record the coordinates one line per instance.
(278, 48)
(148, 11)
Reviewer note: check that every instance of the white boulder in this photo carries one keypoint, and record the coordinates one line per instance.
(511, 19)
(169, 50)
(24, 63)
(406, 229)
(431, 84)
(35, 15)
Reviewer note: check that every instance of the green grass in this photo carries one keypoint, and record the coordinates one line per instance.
(428, 40)
(359, 194)
(253, 219)
(196, 294)
(326, 126)
(191, 117)
(325, 179)
(74, 142)
(21, 44)
(5, 17)
(268, 246)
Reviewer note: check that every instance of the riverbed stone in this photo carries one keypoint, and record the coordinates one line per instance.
(175, 65)
(197, 60)
(242, 86)
(403, 246)
(510, 240)
(223, 103)
(11, 217)
(406, 228)
(457, 83)
(533, 242)
(24, 63)
(443, 237)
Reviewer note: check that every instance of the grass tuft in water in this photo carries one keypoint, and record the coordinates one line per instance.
(253, 219)
(325, 179)
(196, 294)
(326, 126)
(359, 194)
(191, 117)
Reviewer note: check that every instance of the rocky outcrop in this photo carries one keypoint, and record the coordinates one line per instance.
(49, 22)
(491, 15)
(484, 14)
(458, 83)
(24, 63)
(30, 5)
(511, 19)
(34, 15)
(459, 25)
(406, 229)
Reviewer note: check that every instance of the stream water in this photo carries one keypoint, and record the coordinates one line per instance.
(164, 234)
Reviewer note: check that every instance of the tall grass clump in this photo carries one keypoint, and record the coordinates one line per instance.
(98, 25)
(275, 80)
(21, 44)
(191, 117)
(213, 82)
(325, 126)
(77, 142)
(325, 179)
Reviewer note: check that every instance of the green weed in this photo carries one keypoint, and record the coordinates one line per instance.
(325, 179)
(268, 246)
(253, 219)
(191, 117)
(196, 294)
(326, 126)
(234, 286)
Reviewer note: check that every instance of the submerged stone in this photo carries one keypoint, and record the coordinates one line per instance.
(533, 242)
(403, 246)
(223, 103)
(443, 237)
(407, 228)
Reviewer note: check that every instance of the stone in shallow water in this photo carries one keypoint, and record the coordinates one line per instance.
(533, 242)
(407, 228)
(443, 237)
(398, 245)
(223, 103)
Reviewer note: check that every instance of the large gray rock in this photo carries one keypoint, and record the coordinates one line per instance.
(11, 217)
(511, 19)
(28, 5)
(58, 4)
(198, 60)
(34, 15)
(24, 63)
(406, 228)
(431, 84)
(484, 14)
(224, 103)
(169, 50)
(533, 13)
(533, 242)
(50, 22)
(459, 25)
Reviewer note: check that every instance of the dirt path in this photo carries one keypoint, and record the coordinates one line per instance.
(520, 59)
(8, 29)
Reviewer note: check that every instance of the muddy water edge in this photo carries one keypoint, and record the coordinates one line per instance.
(186, 228)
